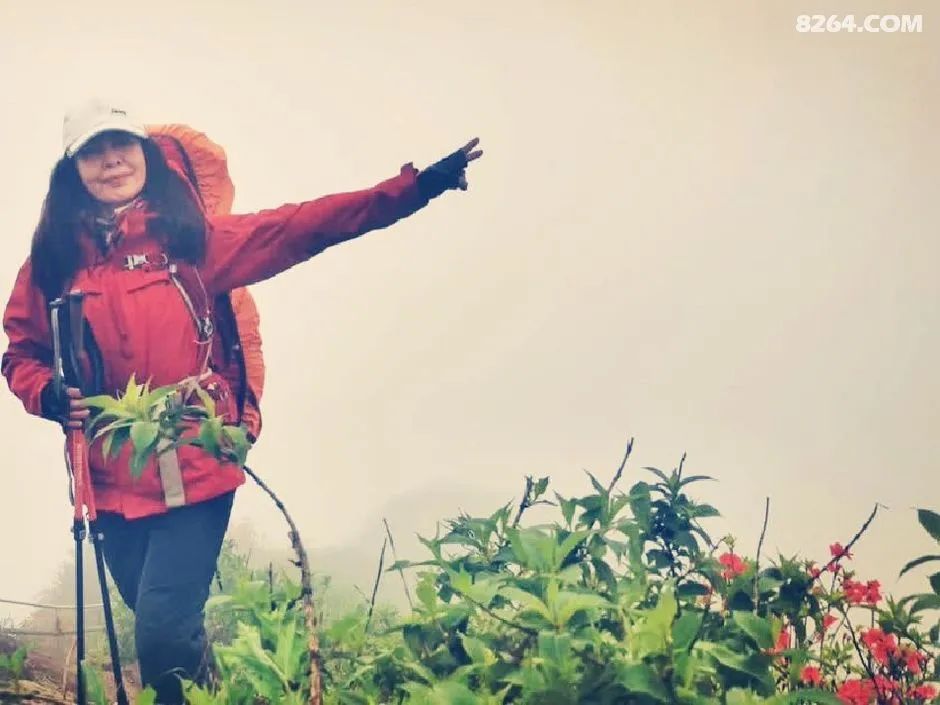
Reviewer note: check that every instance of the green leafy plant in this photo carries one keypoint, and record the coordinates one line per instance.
(620, 596)
(12, 665)
(924, 601)
(156, 421)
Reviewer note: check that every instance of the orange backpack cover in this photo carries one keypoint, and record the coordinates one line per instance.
(209, 166)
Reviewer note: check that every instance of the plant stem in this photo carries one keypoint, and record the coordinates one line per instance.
(404, 582)
(306, 592)
(378, 579)
(619, 473)
(760, 544)
(526, 501)
(858, 535)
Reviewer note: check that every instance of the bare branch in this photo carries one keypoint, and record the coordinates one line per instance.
(623, 463)
(760, 544)
(378, 579)
(858, 535)
(306, 593)
(404, 582)
(526, 500)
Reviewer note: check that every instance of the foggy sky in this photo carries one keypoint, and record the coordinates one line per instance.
(692, 225)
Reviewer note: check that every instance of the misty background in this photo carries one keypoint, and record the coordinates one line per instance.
(692, 225)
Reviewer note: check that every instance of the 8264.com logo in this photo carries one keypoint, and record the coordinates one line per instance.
(888, 24)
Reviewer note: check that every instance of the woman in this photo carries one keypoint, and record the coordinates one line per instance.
(122, 224)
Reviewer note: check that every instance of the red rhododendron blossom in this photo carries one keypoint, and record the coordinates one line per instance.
(882, 646)
(814, 571)
(856, 692)
(827, 622)
(734, 565)
(914, 660)
(859, 593)
(783, 643)
(810, 675)
(838, 551)
(924, 692)
(885, 686)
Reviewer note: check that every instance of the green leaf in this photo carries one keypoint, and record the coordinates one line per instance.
(567, 546)
(568, 507)
(755, 627)
(694, 478)
(104, 402)
(935, 582)
(703, 511)
(477, 650)
(652, 633)
(138, 463)
(685, 629)
(640, 502)
(112, 427)
(925, 602)
(640, 678)
(691, 589)
(148, 696)
(209, 436)
(131, 392)
(809, 695)
(931, 522)
(144, 434)
(94, 685)
(658, 473)
(158, 395)
(207, 401)
(598, 487)
(740, 696)
(568, 603)
(426, 592)
(755, 665)
(918, 561)
(540, 487)
(527, 600)
(237, 439)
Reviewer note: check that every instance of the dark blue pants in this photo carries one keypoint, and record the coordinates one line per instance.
(163, 566)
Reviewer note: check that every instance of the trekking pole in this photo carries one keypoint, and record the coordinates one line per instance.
(75, 369)
(78, 524)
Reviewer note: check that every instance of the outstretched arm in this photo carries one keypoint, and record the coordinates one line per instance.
(244, 249)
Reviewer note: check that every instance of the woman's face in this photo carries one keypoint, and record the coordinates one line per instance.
(112, 167)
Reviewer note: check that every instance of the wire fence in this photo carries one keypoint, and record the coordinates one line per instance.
(58, 630)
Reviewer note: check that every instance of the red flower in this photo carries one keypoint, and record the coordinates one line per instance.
(810, 675)
(886, 686)
(838, 552)
(814, 571)
(923, 692)
(734, 565)
(856, 692)
(873, 592)
(783, 643)
(882, 646)
(914, 660)
(855, 592)
(828, 621)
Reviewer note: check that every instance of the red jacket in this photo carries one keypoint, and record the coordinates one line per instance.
(143, 327)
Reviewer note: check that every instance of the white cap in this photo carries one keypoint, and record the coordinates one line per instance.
(91, 119)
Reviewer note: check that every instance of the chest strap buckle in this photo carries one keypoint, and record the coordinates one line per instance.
(143, 261)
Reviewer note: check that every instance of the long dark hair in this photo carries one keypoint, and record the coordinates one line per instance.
(69, 209)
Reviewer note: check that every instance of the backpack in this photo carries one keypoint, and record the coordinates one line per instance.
(236, 348)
